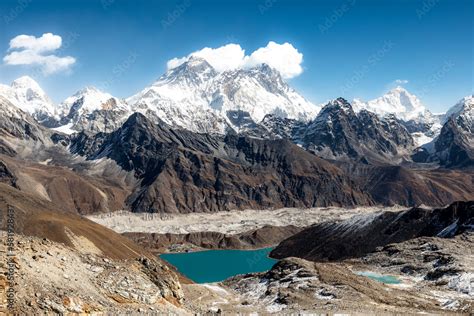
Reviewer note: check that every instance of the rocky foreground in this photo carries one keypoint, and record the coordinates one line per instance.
(53, 278)
(436, 276)
(432, 268)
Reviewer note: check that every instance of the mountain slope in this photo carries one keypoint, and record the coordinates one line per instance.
(398, 185)
(362, 234)
(17, 125)
(259, 91)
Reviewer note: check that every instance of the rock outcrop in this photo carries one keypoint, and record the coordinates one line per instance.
(257, 238)
(362, 234)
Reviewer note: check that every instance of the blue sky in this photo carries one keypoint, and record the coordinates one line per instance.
(351, 48)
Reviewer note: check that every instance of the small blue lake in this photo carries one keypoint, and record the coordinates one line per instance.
(387, 279)
(217, 265)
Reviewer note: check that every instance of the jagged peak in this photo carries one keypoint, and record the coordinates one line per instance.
(399, 89)
(194, 63)
(136, 118)
(465, 108)
(398, 101)
(339, 103)
(336, 107)
(195, 69)
(89, 90)
(266, 68)
(139, 121)
(26, 82)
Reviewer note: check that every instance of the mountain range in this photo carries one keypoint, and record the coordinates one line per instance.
(203, 144)
(196, 97)
(199, 140)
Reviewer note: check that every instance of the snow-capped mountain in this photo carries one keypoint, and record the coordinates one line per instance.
(398, 101)
(179, 98)
(93, 110)
(463, 113)
(26, 94)
(196, 97)
(420, 122)
(259, 91)
(84, 101)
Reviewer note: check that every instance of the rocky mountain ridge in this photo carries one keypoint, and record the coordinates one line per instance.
(454, 146)
(360, 235)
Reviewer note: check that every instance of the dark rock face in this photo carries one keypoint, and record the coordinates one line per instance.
(453, 146)
(181, 171)
(5, 149)
(413, 126)
(277, 127)
(6, 176)
(262, 237)
(341, 134)
(242, 120)
(362, 234)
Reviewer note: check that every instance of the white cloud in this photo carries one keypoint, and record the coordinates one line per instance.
(175, 62)
(226, 57)
(38, 51)
(401, 81)
(283, 57)
(45, 43)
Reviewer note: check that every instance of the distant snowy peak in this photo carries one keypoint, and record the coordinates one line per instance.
(398, 101)
(179, 98)
(86, 100)
(26, 82)
(464, 110)
(406, 107)
(194, 72)
(259, 91)
(93, 110)
(197, 97)
(26, 94)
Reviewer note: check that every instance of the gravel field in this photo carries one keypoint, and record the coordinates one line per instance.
(232, 222)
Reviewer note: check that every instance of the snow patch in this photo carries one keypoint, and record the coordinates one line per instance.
(65, 129)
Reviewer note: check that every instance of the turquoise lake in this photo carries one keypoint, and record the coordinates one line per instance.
(387, 279)
(217, 265)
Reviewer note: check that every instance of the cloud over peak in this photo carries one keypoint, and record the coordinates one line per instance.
(283, 57)
(38, 51)
(401, 81)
